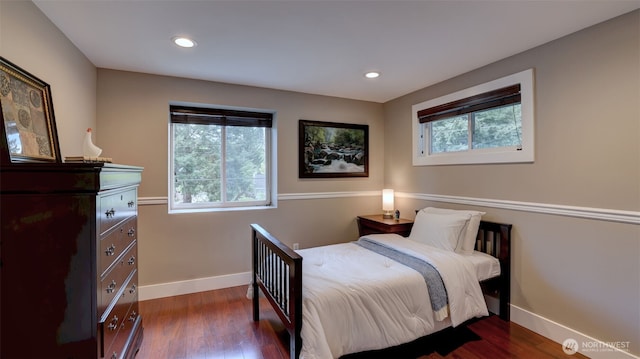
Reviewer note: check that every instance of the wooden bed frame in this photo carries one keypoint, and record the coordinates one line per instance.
(277, 271)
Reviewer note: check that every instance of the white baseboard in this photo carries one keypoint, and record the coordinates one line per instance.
(586, 345)
(154, 291)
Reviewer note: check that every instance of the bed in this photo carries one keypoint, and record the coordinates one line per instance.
(358, 296)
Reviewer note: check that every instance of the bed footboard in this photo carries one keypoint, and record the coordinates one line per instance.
(277, 271)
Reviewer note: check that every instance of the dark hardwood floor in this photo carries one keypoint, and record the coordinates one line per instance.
(218, 325)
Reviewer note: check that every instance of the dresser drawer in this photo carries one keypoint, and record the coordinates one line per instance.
(118, 319)
(116, 207)
(113, 244)
(116, 277)
(111, 323)
(116, 350)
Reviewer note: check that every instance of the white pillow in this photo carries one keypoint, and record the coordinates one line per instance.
(438, 230)
(467, 241)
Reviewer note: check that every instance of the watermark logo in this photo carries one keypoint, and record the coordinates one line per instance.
(570, 346)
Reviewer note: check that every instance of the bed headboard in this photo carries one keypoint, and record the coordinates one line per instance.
(495, 239)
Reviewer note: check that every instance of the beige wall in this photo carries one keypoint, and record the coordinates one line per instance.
(586, 126)
(133, 120)
(31, 41)
(582, 273)
(133, 110)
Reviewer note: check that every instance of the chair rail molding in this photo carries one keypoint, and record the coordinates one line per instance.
(603, 214)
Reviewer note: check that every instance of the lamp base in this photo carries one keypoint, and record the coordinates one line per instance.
(387, 215)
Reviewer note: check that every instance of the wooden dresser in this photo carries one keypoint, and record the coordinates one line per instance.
(68, 270)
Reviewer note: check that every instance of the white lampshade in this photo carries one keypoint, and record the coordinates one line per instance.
(387, 202)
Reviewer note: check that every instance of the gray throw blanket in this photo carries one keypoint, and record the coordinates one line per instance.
(432, 278)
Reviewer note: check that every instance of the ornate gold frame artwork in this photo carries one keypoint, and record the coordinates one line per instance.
(28, 126)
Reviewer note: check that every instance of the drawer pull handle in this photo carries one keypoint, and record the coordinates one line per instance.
(131, 204)
(133, 289)
(132, 260)
(114, 323)
(111, 286)
(131, 232)
(110, 213)
(111, 250)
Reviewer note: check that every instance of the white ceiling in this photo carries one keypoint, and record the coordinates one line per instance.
(319, 46)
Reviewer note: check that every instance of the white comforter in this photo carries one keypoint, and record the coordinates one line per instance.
(356, 300)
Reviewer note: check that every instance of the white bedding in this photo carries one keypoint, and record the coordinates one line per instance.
(486, 265)
(356, 300)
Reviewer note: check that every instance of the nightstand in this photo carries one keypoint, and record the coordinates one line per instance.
(374, 223)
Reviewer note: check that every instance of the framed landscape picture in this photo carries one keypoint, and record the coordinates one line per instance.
(28, 127)
(331, 149)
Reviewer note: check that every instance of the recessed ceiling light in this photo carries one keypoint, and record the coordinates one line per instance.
(183, 41)
(372, 74)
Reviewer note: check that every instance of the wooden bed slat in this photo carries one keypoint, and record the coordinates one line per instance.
(283, 289)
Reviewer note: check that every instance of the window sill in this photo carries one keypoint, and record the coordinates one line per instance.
(504, 155)
(221, 209)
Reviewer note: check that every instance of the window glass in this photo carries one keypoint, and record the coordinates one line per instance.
(245, 164)
(197, 163)
(498, 127)
(450, 134)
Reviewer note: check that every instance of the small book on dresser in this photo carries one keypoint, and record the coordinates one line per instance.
(87, 159)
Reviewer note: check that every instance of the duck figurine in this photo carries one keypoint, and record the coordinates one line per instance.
(88, 148)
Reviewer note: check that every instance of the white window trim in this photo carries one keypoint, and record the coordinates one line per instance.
(421, 145)
(271, 175)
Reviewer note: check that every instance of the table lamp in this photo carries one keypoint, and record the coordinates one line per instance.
(387, 203)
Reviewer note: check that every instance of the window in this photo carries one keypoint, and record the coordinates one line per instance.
(488, 123)
(220, 158)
